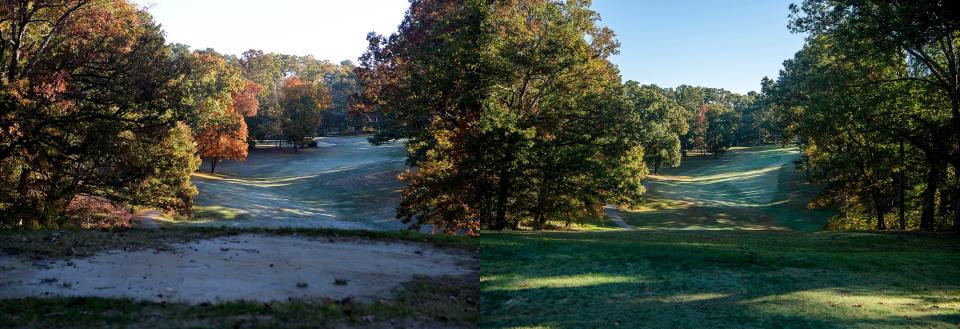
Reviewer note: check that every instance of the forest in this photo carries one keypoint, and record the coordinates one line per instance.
(99, 109)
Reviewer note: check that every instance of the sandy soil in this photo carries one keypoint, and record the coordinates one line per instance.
(264, 268)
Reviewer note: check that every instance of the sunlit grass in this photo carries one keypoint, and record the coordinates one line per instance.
(700, 279)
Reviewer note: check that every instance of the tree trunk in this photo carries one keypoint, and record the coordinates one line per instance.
(901, 187)
(878, 206)
(929, 198)
(503, 193)
(213, 164)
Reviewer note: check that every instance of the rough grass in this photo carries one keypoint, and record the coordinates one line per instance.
(719, 279)
(423, 302)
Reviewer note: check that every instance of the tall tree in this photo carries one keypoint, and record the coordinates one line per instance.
(905, 53)
(664, 121)
(89, 104)
(500, 123)
(302, 103)
(720, 133)
(221, 97)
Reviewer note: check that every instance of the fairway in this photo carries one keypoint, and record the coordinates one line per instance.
(723, 243)
(345, 183)
(749, 189)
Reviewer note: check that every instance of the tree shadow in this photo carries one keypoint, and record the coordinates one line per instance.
(719, 279)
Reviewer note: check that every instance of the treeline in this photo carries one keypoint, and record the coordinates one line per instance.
(99, 115)
(690, 120)
(874, 100)
(515, 117)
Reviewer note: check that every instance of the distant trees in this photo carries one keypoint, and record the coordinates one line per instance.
(271, 70)
(501, 124)
(873, 98)
(89, 105)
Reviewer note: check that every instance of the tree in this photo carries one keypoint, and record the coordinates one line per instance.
(664, 121)
(501, 124)
(721, 129)
(220, 97)
(916, 47)
(302, 103)
(89, 105)
(266, 70)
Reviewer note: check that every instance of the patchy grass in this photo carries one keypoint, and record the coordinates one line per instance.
(423, 302)
(699, 279)
(62, 244)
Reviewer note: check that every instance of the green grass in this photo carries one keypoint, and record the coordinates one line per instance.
(723, 243)
(423, 302)
(749, 189)
(719, 279)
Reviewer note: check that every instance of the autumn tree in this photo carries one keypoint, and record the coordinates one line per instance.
(220, 98)
(89, 105)
(501, 124)
(302, 103)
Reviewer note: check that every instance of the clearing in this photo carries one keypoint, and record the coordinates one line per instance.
(722, 243)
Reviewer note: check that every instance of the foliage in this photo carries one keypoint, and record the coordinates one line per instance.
(501, 124)
(220, 97)
(89, 105)
(720, 133)
(869, 100)
(664, 121)
(302, 103)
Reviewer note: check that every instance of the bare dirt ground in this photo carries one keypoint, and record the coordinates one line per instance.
(242, 267)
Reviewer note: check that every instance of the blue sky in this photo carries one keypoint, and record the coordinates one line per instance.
(725, 44)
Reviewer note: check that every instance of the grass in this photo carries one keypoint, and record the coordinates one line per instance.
(422, 302)
(749, 189)
(62, 244)
(719, 279)
(723, 243)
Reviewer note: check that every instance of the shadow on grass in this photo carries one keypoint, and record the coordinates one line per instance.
(691, 279)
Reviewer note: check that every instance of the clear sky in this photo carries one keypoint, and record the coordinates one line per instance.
(728, 44)
(712, 43)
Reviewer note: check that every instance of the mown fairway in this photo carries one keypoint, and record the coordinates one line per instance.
(345, 183)
(722, 243)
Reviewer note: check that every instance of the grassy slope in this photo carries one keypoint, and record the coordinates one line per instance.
(686, 279)
(751, 189)
(733, 247)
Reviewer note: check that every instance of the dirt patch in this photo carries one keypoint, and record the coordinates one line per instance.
(242, 267)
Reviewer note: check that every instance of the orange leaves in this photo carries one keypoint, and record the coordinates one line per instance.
(245, 101)
(222, 98)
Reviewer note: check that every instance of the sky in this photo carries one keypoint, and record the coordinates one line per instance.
(722, 44)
